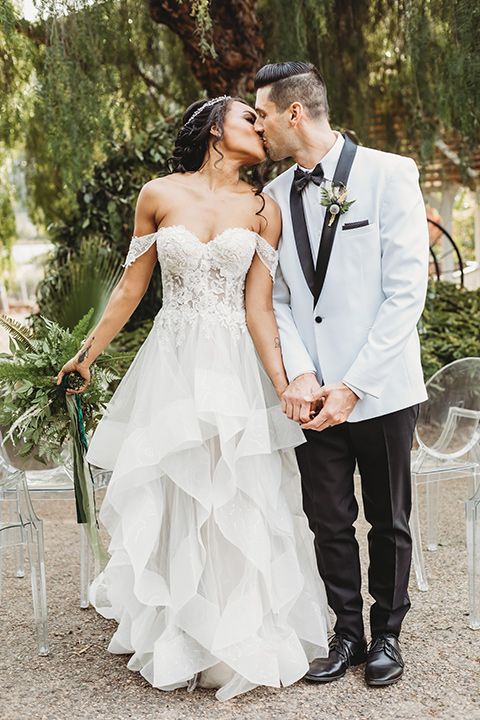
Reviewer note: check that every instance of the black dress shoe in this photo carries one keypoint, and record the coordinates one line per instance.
(384, 661)
(342, 654)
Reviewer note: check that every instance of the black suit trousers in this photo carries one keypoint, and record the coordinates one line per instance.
(381, 446)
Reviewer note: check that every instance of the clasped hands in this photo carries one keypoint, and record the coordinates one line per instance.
(317, 407)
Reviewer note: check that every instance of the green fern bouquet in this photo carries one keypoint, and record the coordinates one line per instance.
(33, 406)
(43, 417)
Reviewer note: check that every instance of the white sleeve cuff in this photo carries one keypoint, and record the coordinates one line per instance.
(360, 394)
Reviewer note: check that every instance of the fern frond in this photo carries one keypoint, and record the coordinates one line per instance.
(80, 329)
(117, 359)
(49, 323)
(20, 333)
(11, 372)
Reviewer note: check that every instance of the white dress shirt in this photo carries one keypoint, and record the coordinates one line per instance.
(312, 195)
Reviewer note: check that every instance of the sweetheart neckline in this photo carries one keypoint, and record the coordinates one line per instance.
(190, 232)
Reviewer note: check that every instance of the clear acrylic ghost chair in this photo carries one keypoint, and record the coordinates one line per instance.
(472, 511)
(57, 483)
(20, 527)
(448, 433)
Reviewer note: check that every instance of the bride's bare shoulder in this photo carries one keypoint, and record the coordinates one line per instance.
(162, 184)
(157, 194)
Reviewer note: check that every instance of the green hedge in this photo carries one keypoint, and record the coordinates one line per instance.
(449, 327)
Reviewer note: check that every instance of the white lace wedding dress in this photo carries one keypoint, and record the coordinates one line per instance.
(212, 579)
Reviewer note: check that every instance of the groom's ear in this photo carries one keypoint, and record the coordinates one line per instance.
(295, 113)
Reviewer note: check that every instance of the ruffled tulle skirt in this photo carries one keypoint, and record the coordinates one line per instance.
(212, 577)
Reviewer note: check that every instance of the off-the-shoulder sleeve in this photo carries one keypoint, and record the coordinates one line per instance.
(268, 255)
(138, 247)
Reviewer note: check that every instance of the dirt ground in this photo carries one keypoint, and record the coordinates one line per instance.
(80, 679)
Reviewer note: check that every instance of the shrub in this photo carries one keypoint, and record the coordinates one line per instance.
(449, 327)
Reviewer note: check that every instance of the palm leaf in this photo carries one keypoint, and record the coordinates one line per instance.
(85, 280)
(20, 333)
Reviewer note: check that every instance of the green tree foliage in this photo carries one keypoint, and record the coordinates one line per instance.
(96, 73)
(105, 201)
(334, 36)
(16, 89)
(104, 212)
(440, 82)
(8, 230)
(413, 63)
(93, 72)
(15, 103)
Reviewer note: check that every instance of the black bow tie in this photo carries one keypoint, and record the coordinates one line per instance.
(302, 178)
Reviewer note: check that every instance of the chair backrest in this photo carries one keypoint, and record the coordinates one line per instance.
(50, 480)
(45, 479)
(449, 421)
(13, 486)
(5, 461)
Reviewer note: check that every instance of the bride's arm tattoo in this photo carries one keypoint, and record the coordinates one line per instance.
(85, 351)
(276, 342)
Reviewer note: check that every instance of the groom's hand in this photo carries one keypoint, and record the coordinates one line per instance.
(294, 402)
(337, 402)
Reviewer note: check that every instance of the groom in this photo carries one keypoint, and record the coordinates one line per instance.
(348, 295)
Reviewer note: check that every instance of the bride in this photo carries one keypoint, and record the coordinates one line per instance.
(212, 577)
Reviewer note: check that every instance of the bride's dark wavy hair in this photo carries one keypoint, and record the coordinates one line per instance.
(193, 140)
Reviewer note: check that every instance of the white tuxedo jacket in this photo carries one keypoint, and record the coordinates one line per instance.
(363, 328)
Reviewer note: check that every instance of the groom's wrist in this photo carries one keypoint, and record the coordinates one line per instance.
(359, 393)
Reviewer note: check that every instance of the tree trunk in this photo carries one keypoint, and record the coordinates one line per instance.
(235, 35)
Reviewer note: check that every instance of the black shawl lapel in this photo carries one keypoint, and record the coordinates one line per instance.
(342, 172)
(302, 241)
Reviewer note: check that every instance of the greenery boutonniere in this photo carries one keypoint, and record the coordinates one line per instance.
(335, 200)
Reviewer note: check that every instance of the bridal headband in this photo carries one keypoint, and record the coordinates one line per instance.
(214, 101)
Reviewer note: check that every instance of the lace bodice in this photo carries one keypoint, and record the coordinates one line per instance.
(203, 281)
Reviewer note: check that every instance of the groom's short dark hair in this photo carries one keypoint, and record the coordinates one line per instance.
(294, 81)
